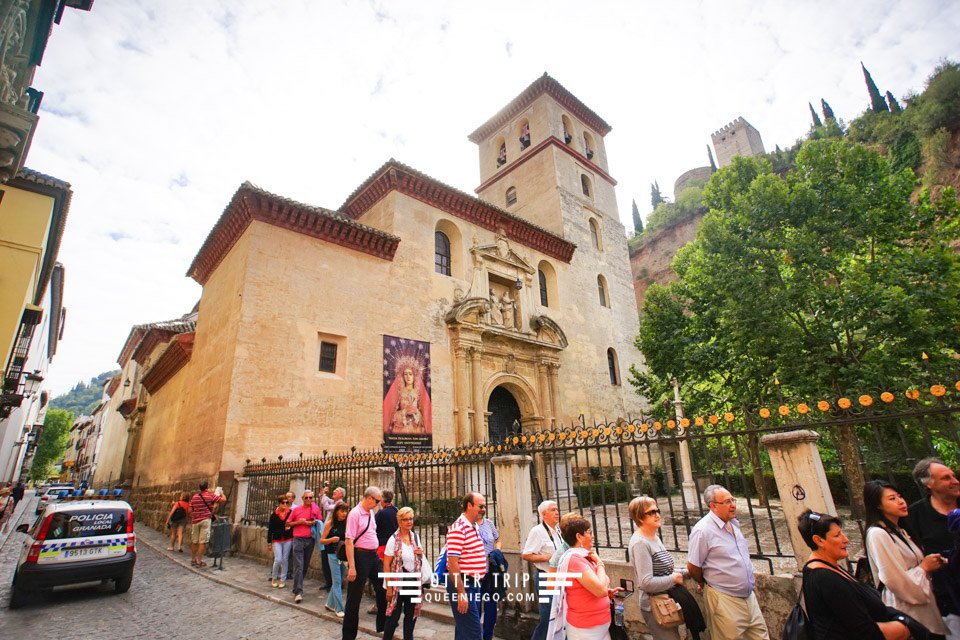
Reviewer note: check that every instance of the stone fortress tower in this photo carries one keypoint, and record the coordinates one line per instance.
(739, 138)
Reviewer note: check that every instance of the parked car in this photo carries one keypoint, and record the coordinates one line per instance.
(73, 542)
(44, 492)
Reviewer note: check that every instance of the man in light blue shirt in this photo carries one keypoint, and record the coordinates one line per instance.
(719, 556)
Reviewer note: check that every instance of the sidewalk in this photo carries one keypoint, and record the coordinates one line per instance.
(252, 577)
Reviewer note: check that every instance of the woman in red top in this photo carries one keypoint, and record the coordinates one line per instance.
(177, 520)
(584, 606)
(280, 540)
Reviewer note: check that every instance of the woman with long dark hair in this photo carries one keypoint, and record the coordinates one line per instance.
(897, 562)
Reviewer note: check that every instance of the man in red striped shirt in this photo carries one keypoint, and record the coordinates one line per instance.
(466, 564)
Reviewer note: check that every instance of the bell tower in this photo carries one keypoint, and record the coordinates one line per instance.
(542, 158)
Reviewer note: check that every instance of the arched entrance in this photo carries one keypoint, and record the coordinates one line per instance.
(504, 418)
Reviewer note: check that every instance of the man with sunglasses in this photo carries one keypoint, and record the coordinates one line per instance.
(466, 565)
(542, 541)
(719, 561)
(302, 519)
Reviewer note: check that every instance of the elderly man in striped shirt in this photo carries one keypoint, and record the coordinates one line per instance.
(466, 564)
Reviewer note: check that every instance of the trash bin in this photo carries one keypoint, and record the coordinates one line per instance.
(221, 532)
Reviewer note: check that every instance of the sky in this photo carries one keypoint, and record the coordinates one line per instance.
(156, 112)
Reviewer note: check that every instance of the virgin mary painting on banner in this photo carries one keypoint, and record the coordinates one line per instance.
(407, 411)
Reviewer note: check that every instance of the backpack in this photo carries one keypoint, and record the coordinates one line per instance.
(440, 568)
(179, 513)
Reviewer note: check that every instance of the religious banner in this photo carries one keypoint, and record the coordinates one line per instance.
(407, 412)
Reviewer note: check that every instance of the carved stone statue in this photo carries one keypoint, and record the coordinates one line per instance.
(508, 311)
(496, 315)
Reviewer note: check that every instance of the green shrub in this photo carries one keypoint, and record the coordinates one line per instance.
(599, 493)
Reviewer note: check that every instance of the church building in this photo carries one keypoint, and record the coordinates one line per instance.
(413, 316)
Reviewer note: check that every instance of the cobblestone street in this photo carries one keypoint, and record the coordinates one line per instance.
(165, 601)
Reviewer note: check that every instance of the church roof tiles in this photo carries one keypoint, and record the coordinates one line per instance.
(543, 84)
(253, 203)
(394, 175)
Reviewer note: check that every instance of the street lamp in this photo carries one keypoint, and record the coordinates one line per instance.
(32, 383)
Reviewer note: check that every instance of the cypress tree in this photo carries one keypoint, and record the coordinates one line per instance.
(816, 119)
(877, 103)
(893, 104)
(637, 221)
(827, 111)
(713, 165)
(655, 197)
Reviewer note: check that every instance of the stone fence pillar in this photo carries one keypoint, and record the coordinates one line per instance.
(240, 506)
(801, 481)
(514, 499)
(383, 477)
(298, 484)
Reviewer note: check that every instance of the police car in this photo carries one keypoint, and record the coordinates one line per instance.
(73, 542)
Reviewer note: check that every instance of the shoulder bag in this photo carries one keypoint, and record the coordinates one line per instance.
(797, 626)
(342, 545)
(666, 612)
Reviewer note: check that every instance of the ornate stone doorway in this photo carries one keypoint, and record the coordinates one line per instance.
(504, 418)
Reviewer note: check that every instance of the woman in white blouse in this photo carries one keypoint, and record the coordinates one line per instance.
(402, 554)
(897, 562)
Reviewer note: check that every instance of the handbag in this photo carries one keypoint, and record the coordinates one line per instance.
(666, 612)
(426, 569)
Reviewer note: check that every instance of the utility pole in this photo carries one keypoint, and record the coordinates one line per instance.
(686, 466)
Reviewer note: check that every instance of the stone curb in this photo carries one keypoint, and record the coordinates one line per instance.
(213, 578)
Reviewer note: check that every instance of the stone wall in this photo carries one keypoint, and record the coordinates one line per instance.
(151, 505)
(650, 258)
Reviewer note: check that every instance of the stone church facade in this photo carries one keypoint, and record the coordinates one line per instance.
(523, 293)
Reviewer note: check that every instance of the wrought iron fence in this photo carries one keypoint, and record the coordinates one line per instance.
(596, 470)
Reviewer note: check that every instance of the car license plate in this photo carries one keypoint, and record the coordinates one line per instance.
(84, 552)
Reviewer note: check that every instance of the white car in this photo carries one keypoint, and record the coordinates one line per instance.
(74, 542)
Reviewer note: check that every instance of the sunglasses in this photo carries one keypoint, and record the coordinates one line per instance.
(652, 512)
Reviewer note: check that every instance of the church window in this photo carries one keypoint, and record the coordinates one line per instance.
(524, 134)
(328, 357)
(585, 185)
(595, 234)
(511, 196)
(602, 291)
(567, 129)
(613, 367)
(502, 153)
(544, 299)
(588, 145)
(547, 279)
(441, 251)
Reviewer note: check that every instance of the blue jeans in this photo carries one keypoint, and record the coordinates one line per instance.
(489, 606)
(540, 632)
(337, 571)
(466, 625)
(281, 559)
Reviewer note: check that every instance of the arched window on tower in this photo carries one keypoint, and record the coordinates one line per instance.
(602, 291)
(544, 298)
(524, 134)
(547, 279)
(595, 234)
(585, 185)
(613, 367)
(441, 253)
(588, 145)
(502, 153)
(511, 196)
(567, 129)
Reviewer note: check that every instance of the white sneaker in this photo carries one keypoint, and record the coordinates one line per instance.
(298, 598)
(339, 614)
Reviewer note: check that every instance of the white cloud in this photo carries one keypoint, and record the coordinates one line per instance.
(156, 112)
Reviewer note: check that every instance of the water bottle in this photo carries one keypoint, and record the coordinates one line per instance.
(618, 612)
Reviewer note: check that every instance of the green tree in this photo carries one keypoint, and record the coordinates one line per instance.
(816, 119)
(655, 197)
(938, 107)
(53, 443)
(637, 220)
(877, 103)
(827, 111)
(893, 104)
(829, 278)
(713, 165)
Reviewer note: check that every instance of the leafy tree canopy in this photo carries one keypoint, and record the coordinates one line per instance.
(53, 443)
(828, 278)
(83, 398)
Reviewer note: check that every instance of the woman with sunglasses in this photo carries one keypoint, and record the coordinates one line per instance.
(281, 540)
(653, 564)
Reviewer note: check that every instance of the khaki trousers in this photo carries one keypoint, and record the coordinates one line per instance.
(732, 618)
